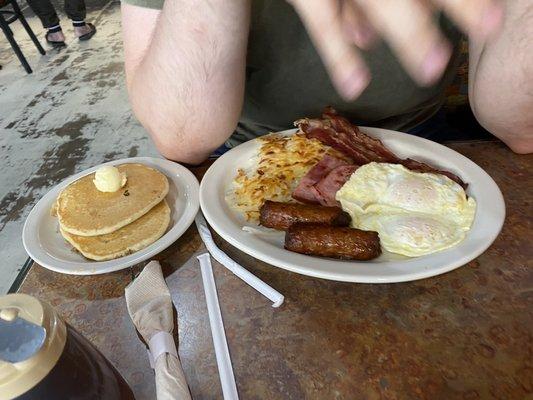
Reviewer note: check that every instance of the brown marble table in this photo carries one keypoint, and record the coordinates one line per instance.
(463, 335)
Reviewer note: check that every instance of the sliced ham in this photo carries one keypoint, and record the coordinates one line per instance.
(332, 182)
(305, 191)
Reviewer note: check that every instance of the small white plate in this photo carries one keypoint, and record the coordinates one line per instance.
(388, 267)
(46, 246)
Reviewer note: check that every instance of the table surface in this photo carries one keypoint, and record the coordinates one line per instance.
(463, 335)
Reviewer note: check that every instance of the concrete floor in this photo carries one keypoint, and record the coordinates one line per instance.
(70, 114)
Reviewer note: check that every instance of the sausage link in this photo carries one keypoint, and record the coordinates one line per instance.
(282, 215)
(331, 241)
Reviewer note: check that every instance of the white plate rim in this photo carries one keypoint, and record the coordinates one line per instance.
(306, 265)
(41, 257)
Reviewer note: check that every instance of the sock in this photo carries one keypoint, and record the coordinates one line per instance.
(54, 29)
(78, 24)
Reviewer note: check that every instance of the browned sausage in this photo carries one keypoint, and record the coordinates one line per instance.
(331, 241)
(282, 215)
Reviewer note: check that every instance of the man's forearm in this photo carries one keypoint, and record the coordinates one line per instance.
(501, 79)
(187, 89)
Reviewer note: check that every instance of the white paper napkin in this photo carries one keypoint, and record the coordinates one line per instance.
(150, 308)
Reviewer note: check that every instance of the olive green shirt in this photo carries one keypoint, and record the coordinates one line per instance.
(286, 80)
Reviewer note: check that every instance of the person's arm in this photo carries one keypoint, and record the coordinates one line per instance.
(185, 69)
(501, 79)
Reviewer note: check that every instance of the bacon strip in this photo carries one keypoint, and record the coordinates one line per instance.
(418, 166)
(377, 150)
(337, 132)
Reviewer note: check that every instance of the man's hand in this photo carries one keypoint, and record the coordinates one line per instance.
(338, 27)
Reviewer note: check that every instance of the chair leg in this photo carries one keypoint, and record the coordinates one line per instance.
(27, 27)
(9, 35)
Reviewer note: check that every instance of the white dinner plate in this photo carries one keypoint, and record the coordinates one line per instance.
(387, 268)
(46, 246)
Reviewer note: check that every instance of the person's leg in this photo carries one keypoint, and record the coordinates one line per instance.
(48, 16)
(26, 26)
(75, 10)
(45, 11)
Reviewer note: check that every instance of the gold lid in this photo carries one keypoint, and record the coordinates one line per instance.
(18, 378)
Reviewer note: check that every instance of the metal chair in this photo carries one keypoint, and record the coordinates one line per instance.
(6, 18)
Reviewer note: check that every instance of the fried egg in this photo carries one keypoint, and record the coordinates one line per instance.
(413, 234)
(414, 213)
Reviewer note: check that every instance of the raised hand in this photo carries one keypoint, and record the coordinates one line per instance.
(339, 27)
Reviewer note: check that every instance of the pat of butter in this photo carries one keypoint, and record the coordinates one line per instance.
(109, 179)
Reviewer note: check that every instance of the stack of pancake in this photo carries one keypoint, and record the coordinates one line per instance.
(108, 225)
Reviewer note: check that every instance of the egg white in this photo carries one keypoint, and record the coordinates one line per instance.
(414, 213)
(413, 234)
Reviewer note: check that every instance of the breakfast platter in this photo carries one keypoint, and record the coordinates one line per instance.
(447, 212)
(91, 224)
(329, 199)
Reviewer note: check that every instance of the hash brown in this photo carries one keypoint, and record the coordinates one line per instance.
(276, 171)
